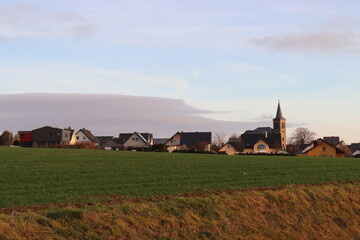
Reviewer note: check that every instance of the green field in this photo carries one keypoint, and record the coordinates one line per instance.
(30, 177)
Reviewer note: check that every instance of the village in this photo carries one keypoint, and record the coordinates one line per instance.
(262, 140)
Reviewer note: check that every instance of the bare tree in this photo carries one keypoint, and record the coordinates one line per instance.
(302, 135)
(219, 139)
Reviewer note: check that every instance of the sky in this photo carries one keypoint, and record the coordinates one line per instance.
(216, 65)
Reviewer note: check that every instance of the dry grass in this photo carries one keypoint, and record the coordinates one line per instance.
(296, 212)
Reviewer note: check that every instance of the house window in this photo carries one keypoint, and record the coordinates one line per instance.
(261, 147)
(77, 137)
(228, 146)
(84, 138)
(137, 139)
(324, 149)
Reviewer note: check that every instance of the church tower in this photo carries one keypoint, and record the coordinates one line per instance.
(280, 126)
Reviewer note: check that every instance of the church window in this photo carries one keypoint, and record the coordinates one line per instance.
(283, 125)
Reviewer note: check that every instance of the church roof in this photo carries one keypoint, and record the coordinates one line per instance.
(273, 140)
(260, 130)
(279, 114)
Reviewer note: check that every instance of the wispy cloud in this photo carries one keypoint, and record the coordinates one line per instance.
(77, 78)
(337, 35)
(21, 21)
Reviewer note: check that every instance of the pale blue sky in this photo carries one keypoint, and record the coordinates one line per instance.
(235, 58)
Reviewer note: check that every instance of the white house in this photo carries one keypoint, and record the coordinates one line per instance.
(84, 135)
(136, 140)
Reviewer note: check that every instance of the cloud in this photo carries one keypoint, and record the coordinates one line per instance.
(21, 21)
(110, 114)
(337, 35)
(79, 78)
(323, 42)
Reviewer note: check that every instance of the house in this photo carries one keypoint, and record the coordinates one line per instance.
(158, 141)
(233, 147)
(47, 137)
(103, 139)
(137, 140)
(134, 140)
(189, 140)
(266, 140)
(25, 138)
(111, 144)
(85, 136)
(322, 148)
(355, 149)
(68, 137)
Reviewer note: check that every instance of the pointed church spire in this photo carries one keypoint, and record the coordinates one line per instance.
(279, 114)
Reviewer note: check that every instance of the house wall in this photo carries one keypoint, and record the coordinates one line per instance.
(25, 139)
(179, 147)
(135, 141)
(68, 137)
(229, 149)
(323, 150)
(175, 141)
(266, 150)
(46, 137)
(255, 150)
(81, 137)
(73, 139)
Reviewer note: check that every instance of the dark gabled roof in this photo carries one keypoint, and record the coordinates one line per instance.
(147, 136)
(47, 128)
(234, 140)
(123, 137)
(103, 139)
(304, 146)
(273, 140)
(354, 147)
(89, 135)
(191, 139)
(260, 130)
(332, 140)
(110, 143)
(235, 145)
(160, 140)
(279, 114)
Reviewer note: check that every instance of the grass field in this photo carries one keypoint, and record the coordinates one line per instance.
(31, 177)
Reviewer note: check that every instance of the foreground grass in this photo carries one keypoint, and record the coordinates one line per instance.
(31, 177)
(295, 212)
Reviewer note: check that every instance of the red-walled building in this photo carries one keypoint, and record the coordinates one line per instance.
(26, 138)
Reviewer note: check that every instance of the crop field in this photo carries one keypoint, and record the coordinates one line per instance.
(37, 177)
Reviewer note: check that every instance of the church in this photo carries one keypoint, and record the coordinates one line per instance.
(262, 140)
